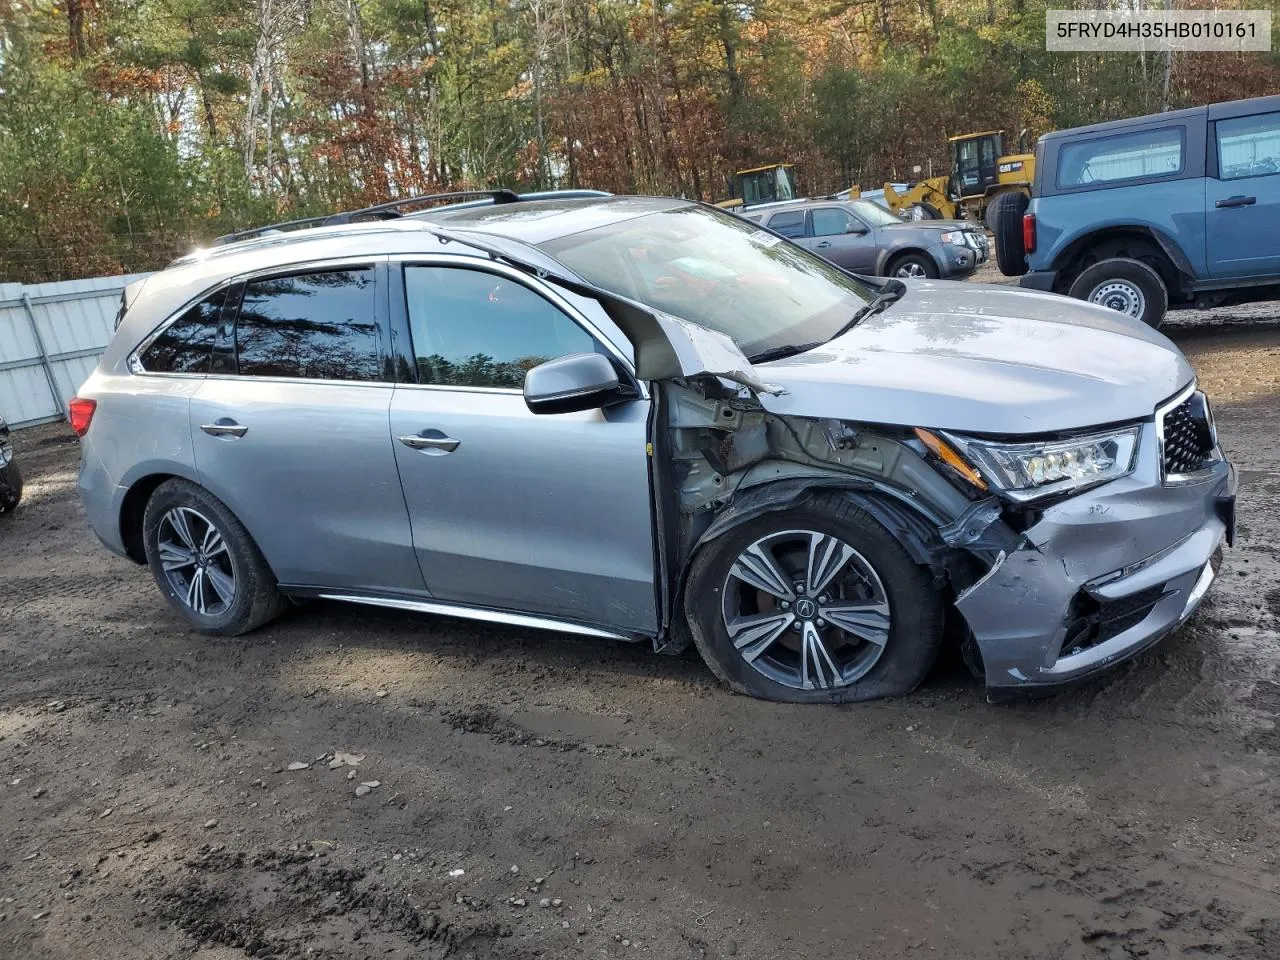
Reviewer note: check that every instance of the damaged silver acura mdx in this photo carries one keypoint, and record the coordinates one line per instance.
(648, 419)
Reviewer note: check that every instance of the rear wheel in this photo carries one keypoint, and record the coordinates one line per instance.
(923, 211)
(913, 266)
(1004, 216)
(1126, 286)
(205, 563)
(814, 604)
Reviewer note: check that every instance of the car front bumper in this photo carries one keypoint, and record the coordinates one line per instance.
(1100, 576)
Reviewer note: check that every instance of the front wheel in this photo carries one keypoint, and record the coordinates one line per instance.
(1126, 286)
(205, 563)
(814, 604)
(10, 488)
(914, 266)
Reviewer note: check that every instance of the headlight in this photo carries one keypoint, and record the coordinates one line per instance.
(954, 236)
(1028, 471)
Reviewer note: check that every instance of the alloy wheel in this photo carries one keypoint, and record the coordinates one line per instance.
(806, 610)
(911, 269)
(1121, 296)
(196, 561)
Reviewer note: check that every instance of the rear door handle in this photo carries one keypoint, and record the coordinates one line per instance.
(441, 443)
(225, 428)
(824, 244)
(1237, 202)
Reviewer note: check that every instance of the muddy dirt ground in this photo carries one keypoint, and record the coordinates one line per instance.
(164, 796)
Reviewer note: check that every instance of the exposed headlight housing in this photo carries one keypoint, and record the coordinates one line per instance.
(1029, 471)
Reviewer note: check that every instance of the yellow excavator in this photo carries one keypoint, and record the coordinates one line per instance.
(772, 183)
(980, 172)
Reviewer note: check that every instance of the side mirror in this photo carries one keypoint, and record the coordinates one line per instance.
(580, 381)
(856, 229)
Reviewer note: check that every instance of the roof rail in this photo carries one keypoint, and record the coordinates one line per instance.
(380, 211)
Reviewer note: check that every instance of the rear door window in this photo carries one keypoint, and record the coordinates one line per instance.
(472, 328)
(186, 344)
(789, 223)
(1249, 146)
(315, 326)
(1142, 155)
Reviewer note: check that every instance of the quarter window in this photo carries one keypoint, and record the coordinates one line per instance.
(472, 328)
(830, 222)
(318, 326)
(1128, 156)
(1249, 146)
(186, 344)
(789, 224)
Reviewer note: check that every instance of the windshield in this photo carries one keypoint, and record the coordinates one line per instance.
(873, 213)
(718, 271)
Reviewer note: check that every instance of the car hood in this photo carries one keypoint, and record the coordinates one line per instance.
(934, 226)
(982, 359)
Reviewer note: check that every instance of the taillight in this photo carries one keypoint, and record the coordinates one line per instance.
(1029, 232)
(80, 413)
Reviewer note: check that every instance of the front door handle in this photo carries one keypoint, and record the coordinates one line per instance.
(442, 443)
(1237, 202)
(824, 244)
(225, 428)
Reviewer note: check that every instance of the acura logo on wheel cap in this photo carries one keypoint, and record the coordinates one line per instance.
(806, 608)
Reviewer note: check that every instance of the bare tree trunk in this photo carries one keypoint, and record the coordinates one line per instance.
(355, 30)
(75, 28)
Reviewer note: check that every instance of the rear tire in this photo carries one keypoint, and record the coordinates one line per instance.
(924, 211)
(1004, 216)
(1127, 286)
(896, 626)
(205, 563)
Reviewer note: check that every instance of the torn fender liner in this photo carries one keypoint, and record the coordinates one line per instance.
(907, 524)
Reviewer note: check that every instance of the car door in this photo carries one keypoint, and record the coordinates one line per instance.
(843, 239)
(1242, 202)
(548, 515)
(289, 429)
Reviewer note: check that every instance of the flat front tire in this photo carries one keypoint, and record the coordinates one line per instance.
(814, 604)
(205, 563)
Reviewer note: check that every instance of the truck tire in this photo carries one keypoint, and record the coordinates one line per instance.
(924, 211)
(1005, 216)
(1126, 286)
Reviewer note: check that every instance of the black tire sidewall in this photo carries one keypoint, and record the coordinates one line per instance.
(1011, 253)
(915, 606)
(1136, 272)
(10, 488)
(256, 599)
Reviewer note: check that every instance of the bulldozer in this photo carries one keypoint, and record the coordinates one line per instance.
(772, 183)
(980, 172)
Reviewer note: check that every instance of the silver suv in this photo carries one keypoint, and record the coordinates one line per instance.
(648, 419)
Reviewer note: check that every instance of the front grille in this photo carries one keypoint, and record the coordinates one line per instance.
(1189, 443)
(1095, 621)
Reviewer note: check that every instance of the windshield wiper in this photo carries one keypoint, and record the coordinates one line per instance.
(885, 298)
(784, 351)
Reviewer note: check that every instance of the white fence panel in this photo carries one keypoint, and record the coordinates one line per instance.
(51, 335)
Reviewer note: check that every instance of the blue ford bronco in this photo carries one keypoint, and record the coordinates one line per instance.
(1178, 209)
